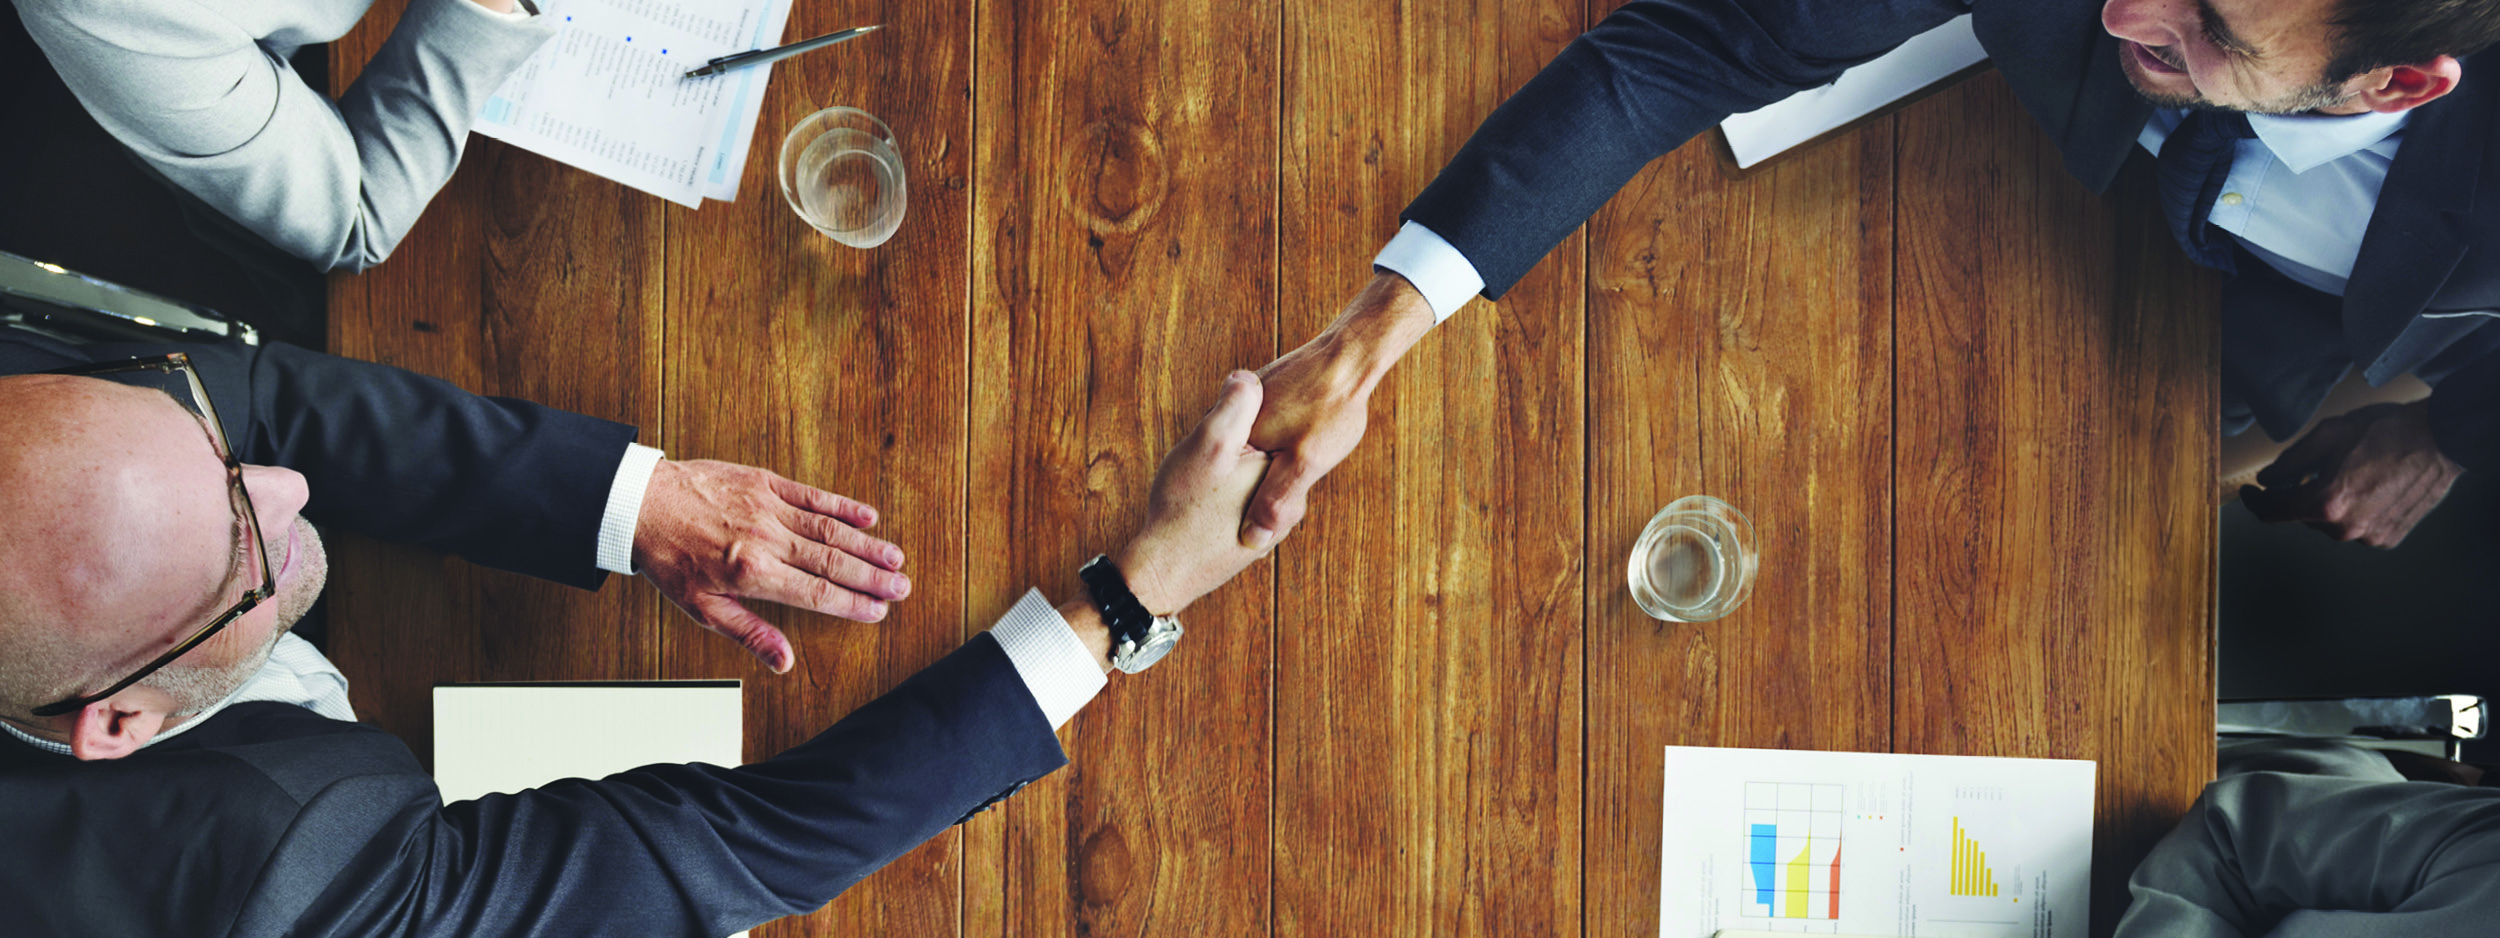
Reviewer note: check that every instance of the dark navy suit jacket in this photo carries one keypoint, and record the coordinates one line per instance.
(268, 819)
(1656, 72)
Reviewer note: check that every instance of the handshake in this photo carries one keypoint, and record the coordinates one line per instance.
(713, 533)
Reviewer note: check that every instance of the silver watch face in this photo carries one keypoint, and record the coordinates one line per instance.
(1132, 657)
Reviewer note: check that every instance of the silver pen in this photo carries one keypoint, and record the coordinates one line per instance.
(761, 56)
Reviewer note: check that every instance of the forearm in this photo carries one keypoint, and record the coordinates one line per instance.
(1086, 622)
(415, 460)
(1377, 328)
(200, 101)
(686, 849)
(408, 115)
(1643, 81)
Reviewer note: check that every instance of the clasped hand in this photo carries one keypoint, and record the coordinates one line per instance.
(2368, 476)
(1318, 399)
(1189, 544)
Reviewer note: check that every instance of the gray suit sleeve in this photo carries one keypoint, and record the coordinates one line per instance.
(199, 98)
(2299, 856)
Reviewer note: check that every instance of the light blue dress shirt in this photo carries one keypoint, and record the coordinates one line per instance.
(2300, 193)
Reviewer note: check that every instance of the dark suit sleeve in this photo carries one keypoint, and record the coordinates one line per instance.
(410, 459)
(1648, 78)
(702, 851)
(2465, 414)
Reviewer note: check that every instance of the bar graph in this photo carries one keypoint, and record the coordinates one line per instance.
(1751, 841)
(1971, 875)
(1792, 850)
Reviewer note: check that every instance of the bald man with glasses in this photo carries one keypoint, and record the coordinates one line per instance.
(508, 484)
(176, 762)
(155, 508)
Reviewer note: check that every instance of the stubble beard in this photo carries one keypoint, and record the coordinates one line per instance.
(2323, 94)
(195, 689)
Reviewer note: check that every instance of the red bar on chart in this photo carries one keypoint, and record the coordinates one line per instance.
(1835, 883)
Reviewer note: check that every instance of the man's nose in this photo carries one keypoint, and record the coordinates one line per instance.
(2145, 21)
(278, 494)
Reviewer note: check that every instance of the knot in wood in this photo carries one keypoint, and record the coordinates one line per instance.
(1115, 177)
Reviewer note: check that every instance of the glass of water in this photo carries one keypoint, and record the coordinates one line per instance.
(841, 172)
(1695, 562)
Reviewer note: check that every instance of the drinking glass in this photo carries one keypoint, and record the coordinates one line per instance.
(841, 172)
(1695, 562)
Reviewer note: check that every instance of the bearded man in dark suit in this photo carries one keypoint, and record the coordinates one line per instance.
(2328, 153)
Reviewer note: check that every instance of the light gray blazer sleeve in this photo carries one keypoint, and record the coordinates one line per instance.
(199, 98)
(2304, 856)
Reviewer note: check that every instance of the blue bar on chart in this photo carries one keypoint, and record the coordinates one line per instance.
(1766, 838)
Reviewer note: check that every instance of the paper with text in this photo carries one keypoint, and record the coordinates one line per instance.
(608, 95)
(1844, 843)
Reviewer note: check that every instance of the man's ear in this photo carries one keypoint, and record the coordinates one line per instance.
(2405, 87)
(113, 728)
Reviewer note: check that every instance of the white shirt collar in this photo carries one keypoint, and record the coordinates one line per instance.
(295, 673)
(2306, 141)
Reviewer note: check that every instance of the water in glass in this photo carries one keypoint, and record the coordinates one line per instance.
(841, 172)
(1694, 562)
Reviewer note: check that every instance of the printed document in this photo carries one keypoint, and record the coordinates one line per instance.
(1919, 64)
(1846, 843)
(609, 95)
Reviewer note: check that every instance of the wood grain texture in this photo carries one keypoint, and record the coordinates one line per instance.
(1740, 346)
(526, 279)
(843, 369)
(1428, 656)
(2055, 465)
(1969, 407)
(1124, 250)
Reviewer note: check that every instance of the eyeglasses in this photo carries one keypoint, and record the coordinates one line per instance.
(137, 371)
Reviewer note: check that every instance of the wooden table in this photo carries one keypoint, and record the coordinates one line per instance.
(1969, 406)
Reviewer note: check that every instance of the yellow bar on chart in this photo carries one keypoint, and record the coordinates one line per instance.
(1797, 880)
(1971, 875)
(1958, 865)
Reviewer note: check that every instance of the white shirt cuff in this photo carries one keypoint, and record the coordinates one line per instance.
(624, 514)
(1438, 271)
(1055, 664)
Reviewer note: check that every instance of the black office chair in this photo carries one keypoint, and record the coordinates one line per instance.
(2437, 725)
(49, 300)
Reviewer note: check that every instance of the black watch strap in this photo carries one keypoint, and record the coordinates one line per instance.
(1121, 612)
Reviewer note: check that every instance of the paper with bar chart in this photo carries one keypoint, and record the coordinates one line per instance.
(1874, 844)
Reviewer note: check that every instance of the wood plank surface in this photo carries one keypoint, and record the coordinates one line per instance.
(528, 279)
(1428, 742)
(1740, 346)
(1968, 406)
(2055, 463)
(844, 369)
(1124, 256)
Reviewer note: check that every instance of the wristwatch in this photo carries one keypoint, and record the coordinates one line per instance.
(1138, 638)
